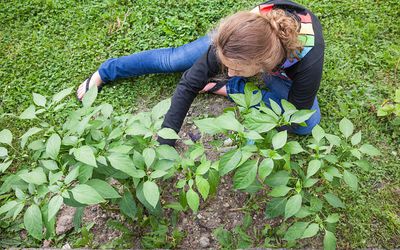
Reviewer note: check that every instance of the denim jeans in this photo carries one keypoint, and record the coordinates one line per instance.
(168, 60)
(165, 60)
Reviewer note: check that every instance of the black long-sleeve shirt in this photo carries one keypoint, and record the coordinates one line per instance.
(305, 74)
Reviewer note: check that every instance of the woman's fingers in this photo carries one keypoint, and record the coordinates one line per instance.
(209, 86)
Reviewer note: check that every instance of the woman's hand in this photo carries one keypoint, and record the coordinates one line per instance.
(210, 85)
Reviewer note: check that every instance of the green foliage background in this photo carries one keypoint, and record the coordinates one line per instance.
(46, 46)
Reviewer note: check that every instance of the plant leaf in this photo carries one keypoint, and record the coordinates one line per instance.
(203, 168)
(295, 231)
(350, 180)
(293, 147)
(53, 146)
(245, 175)
(54, 206)
(160, 109)
(313, 167)
(61, 95)
(167, 152)
(49, 164)
(85, 154)
(279, 139)
(5, 165)
(275, 107)
(310, 182)
(8, 206)
(202, 186)
(33, 222)
(277, 179)
(149, 156)
(280, 191)
(29, 113)
(103, 188)
(329, 241)
(127, 205)
(253, 135)
(301, 116)
(30, 132)
(39, 100)
(158, 173)
(36, 176)
(275, 207)
(6, 136)
(3, 152)
(311, 231)
(293, 205)
(265, 168)
(228, 121)
(239, 99)
(318, 133)
(332, 218)
(89, 97)
(193, 200)
(333, 139)
(151, 193)
(356, 138)
(125, 164)
(333, 200)
(364, 165)
(85, 194)
(287, 106)
(168, 133)
(229, 161)
(346, 127)
(208, 126)
(369, 150)
(72, 175)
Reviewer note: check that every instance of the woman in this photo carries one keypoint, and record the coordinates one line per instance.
(280, 39)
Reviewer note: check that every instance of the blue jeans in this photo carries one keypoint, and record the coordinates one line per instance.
(168, 60)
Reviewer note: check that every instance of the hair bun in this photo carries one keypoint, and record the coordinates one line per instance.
(286, 28)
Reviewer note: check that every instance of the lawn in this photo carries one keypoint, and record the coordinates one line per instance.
(49, 45)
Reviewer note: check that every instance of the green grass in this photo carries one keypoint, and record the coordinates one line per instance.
(46, 46)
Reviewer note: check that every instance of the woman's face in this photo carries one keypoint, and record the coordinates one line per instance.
(240, 69)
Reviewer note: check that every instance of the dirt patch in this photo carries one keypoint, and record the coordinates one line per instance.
(65, 220)
(223, 209)
(102, 232)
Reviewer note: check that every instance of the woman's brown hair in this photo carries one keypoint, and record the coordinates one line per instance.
(261, 39)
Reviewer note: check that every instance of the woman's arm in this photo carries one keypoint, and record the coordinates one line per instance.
(190, 84)
(306, 84)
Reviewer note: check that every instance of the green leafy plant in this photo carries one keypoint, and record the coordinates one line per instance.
(95, 157)
(160, 235)
(237, 238)
(298, 183)
(75, 164)
(391, 108)
(198, 174)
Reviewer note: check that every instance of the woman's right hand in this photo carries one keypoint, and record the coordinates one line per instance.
(210, 85)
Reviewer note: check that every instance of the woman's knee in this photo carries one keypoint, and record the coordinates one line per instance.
(183, 57)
